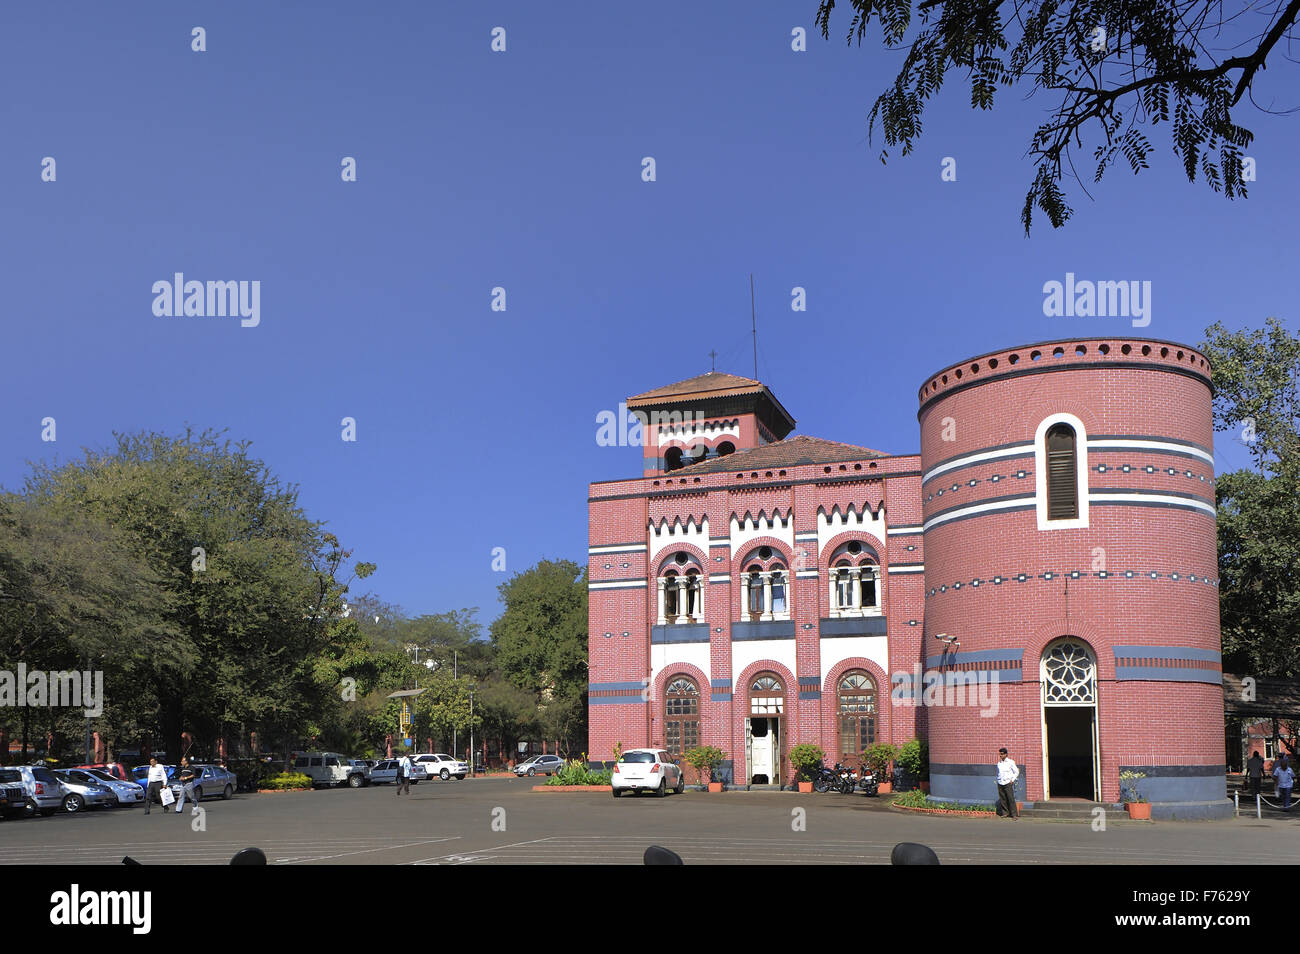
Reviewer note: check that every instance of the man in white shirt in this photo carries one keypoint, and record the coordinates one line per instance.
(1007, 775)
(404, 775)
(156, 779)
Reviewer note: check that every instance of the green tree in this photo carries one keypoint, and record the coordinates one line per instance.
(541, 642)
(1255, 378)
(248, 582)
(1111, 66)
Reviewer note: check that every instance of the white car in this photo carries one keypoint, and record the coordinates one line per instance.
(539, 765)
(128, 793)
(385, 770)
(647, 770)
(441, 765)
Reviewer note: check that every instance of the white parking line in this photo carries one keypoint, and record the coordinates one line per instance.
(343, 854)
(465, 859)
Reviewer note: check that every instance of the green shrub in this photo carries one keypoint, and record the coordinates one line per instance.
(877, 758)
(286, 781)
(917, 799)
(805, 757)
(914, 760)
(706, 758)
(912, 799)
(575, 772)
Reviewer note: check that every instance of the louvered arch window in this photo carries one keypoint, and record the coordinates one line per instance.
(1062, 473)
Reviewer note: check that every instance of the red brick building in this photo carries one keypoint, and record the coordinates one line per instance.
(1041, 576)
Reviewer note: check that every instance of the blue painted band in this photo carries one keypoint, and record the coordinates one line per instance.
(972, 656)
(854, 626)
(599, 686)
(1212, 677)
(773, 629)
(1167, 652)
(614, 700)
(680, 633)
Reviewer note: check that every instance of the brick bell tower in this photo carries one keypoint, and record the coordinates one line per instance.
(707, 416)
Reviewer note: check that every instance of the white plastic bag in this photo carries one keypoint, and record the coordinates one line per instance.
(166, 795)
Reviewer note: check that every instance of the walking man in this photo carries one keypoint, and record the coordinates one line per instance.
(156, 779)
(1254, 771)
(185, 776)
(404, 775)
(1285, 780)
(1007, 775)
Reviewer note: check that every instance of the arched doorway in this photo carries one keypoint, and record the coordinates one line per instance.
(1070, 753)
(763, 729)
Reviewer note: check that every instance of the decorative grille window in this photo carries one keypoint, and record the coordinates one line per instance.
(1069, 675)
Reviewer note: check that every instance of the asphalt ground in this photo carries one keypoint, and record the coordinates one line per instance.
(501, 821)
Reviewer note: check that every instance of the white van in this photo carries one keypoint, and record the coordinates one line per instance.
(327, 769)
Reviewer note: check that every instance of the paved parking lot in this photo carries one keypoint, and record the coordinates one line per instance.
(501, 821)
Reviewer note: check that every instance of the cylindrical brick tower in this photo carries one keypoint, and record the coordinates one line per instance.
(1071, 575)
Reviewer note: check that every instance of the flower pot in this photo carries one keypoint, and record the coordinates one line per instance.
(885, 788)
(925, 787)
(805, 786)
(715, 786)
(1138, 809)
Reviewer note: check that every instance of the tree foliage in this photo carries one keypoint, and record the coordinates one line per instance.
(1114, 67)
(1255, 377)
(541, 641)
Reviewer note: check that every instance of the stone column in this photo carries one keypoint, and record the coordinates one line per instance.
(856, 575)
(662, 619)
(744, 596)
(681, 599)
(767, 596)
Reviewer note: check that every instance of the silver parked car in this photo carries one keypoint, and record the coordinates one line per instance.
(128, 793)
(45, 793)
(209, 781)
(539, 765)
(84, 791)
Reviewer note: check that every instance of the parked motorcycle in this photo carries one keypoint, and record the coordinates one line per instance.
(823, 779)
(868, 783)
(847, 779)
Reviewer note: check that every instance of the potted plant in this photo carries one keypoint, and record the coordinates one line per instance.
(914, 760)
(877, 758)
(706, 760)
(805, 757)
(1136, 805)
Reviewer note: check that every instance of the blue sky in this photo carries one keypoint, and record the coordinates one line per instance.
(522, 169)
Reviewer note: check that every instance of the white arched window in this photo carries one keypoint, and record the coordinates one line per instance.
(854, 581)
(1061, 473)
(681, 591)
(765, 586)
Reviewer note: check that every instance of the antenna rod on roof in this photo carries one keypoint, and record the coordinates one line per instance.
(753, 318)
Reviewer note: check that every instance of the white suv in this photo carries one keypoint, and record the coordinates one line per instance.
(647, 770)
(443, 766)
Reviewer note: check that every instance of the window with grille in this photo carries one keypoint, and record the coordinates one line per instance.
(857, 712)
(681, 716)
(766, 697)
(1062, 473)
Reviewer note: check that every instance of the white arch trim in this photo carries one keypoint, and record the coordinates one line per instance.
(1081, 472)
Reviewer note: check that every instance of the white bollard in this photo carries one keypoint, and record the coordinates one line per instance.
(1259, 812)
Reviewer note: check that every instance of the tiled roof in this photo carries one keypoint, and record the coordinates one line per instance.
(708, 384)
(790, 452)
